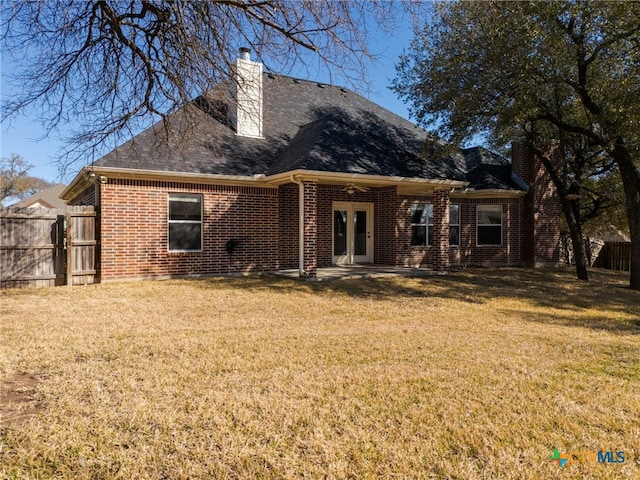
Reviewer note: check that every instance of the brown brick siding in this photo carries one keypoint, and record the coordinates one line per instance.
(133, 218)
(540, 230)
(468, 253)
(440, 247)
(134, 230)
(288, 226)
(310, 229)
(386, 226)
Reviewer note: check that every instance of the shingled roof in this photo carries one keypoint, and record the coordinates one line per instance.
(46, 198)
(307, 126)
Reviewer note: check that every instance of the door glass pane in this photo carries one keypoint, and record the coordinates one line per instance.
(339, 232)
(360, 232)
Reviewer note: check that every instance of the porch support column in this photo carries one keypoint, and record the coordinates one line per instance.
(310, 241)
(441, 203)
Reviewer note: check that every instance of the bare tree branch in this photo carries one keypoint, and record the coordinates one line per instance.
(115, 66)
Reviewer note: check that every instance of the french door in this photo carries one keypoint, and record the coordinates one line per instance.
(352, 233)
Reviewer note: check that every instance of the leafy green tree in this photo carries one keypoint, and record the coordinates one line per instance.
(604, 194)
(15, 181)
(565, 71)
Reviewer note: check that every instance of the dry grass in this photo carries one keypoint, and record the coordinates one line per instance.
(476, 375)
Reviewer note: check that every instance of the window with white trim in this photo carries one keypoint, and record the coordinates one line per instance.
(422, 224)
(489, 224)
(185, 222)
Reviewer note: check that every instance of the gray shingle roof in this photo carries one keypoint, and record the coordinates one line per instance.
(307, 126)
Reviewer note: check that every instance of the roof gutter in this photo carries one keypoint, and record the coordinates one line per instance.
(362, 178)
(92, 175)
(87, 175)
(488, 193)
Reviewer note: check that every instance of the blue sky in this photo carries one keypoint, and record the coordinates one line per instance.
(23, 136)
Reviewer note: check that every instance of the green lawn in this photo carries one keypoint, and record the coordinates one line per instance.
(479, 374)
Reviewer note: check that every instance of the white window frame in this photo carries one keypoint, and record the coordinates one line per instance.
(428, 226)
(175, 197)
(494, 207)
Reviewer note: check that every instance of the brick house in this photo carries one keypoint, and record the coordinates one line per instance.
(293, 174)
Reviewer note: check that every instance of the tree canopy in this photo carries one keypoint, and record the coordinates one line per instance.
(15, 181)
(566, 71)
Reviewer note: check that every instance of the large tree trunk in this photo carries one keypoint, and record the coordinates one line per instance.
(575, 230)
(631, 183)
(549, 160)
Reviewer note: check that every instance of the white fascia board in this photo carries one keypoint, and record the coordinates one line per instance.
(488, 193)
(81, 181)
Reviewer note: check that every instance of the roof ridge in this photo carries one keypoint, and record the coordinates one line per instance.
(273, 75)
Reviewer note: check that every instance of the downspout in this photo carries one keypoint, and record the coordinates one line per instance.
(300, 224)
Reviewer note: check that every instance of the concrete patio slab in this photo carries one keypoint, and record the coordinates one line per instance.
(344, 272)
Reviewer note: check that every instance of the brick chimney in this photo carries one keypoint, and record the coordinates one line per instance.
(522, 161)
(246, 117)
(541, 209)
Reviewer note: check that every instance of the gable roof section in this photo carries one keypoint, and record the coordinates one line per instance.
(334, 143)
(307, 127)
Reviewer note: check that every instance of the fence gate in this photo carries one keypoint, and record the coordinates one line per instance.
(81, 246)
(42, 247)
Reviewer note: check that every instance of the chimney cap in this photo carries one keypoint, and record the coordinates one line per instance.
(245, 53)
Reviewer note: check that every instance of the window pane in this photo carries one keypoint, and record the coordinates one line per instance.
(185, 207)
(490, 235)
(422, 213)
(360, 232)
(418, 235)
(340, 232)
(429, 209)
(185, 236)
(417, 213)
(454, 215)
(454, 235)
(489, 215)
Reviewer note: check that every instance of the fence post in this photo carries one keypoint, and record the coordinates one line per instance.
(69, 242)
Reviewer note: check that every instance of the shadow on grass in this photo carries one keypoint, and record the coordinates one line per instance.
(557, 289)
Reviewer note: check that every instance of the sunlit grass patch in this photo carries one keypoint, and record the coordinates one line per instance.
(479, 374)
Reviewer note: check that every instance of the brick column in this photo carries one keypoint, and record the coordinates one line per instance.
(385, 243)
(310, 229)
(441, 202)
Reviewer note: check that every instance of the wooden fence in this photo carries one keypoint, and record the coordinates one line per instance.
(41, 247)
(614, 256)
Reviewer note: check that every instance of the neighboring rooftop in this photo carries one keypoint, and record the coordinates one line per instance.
(46, 198)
